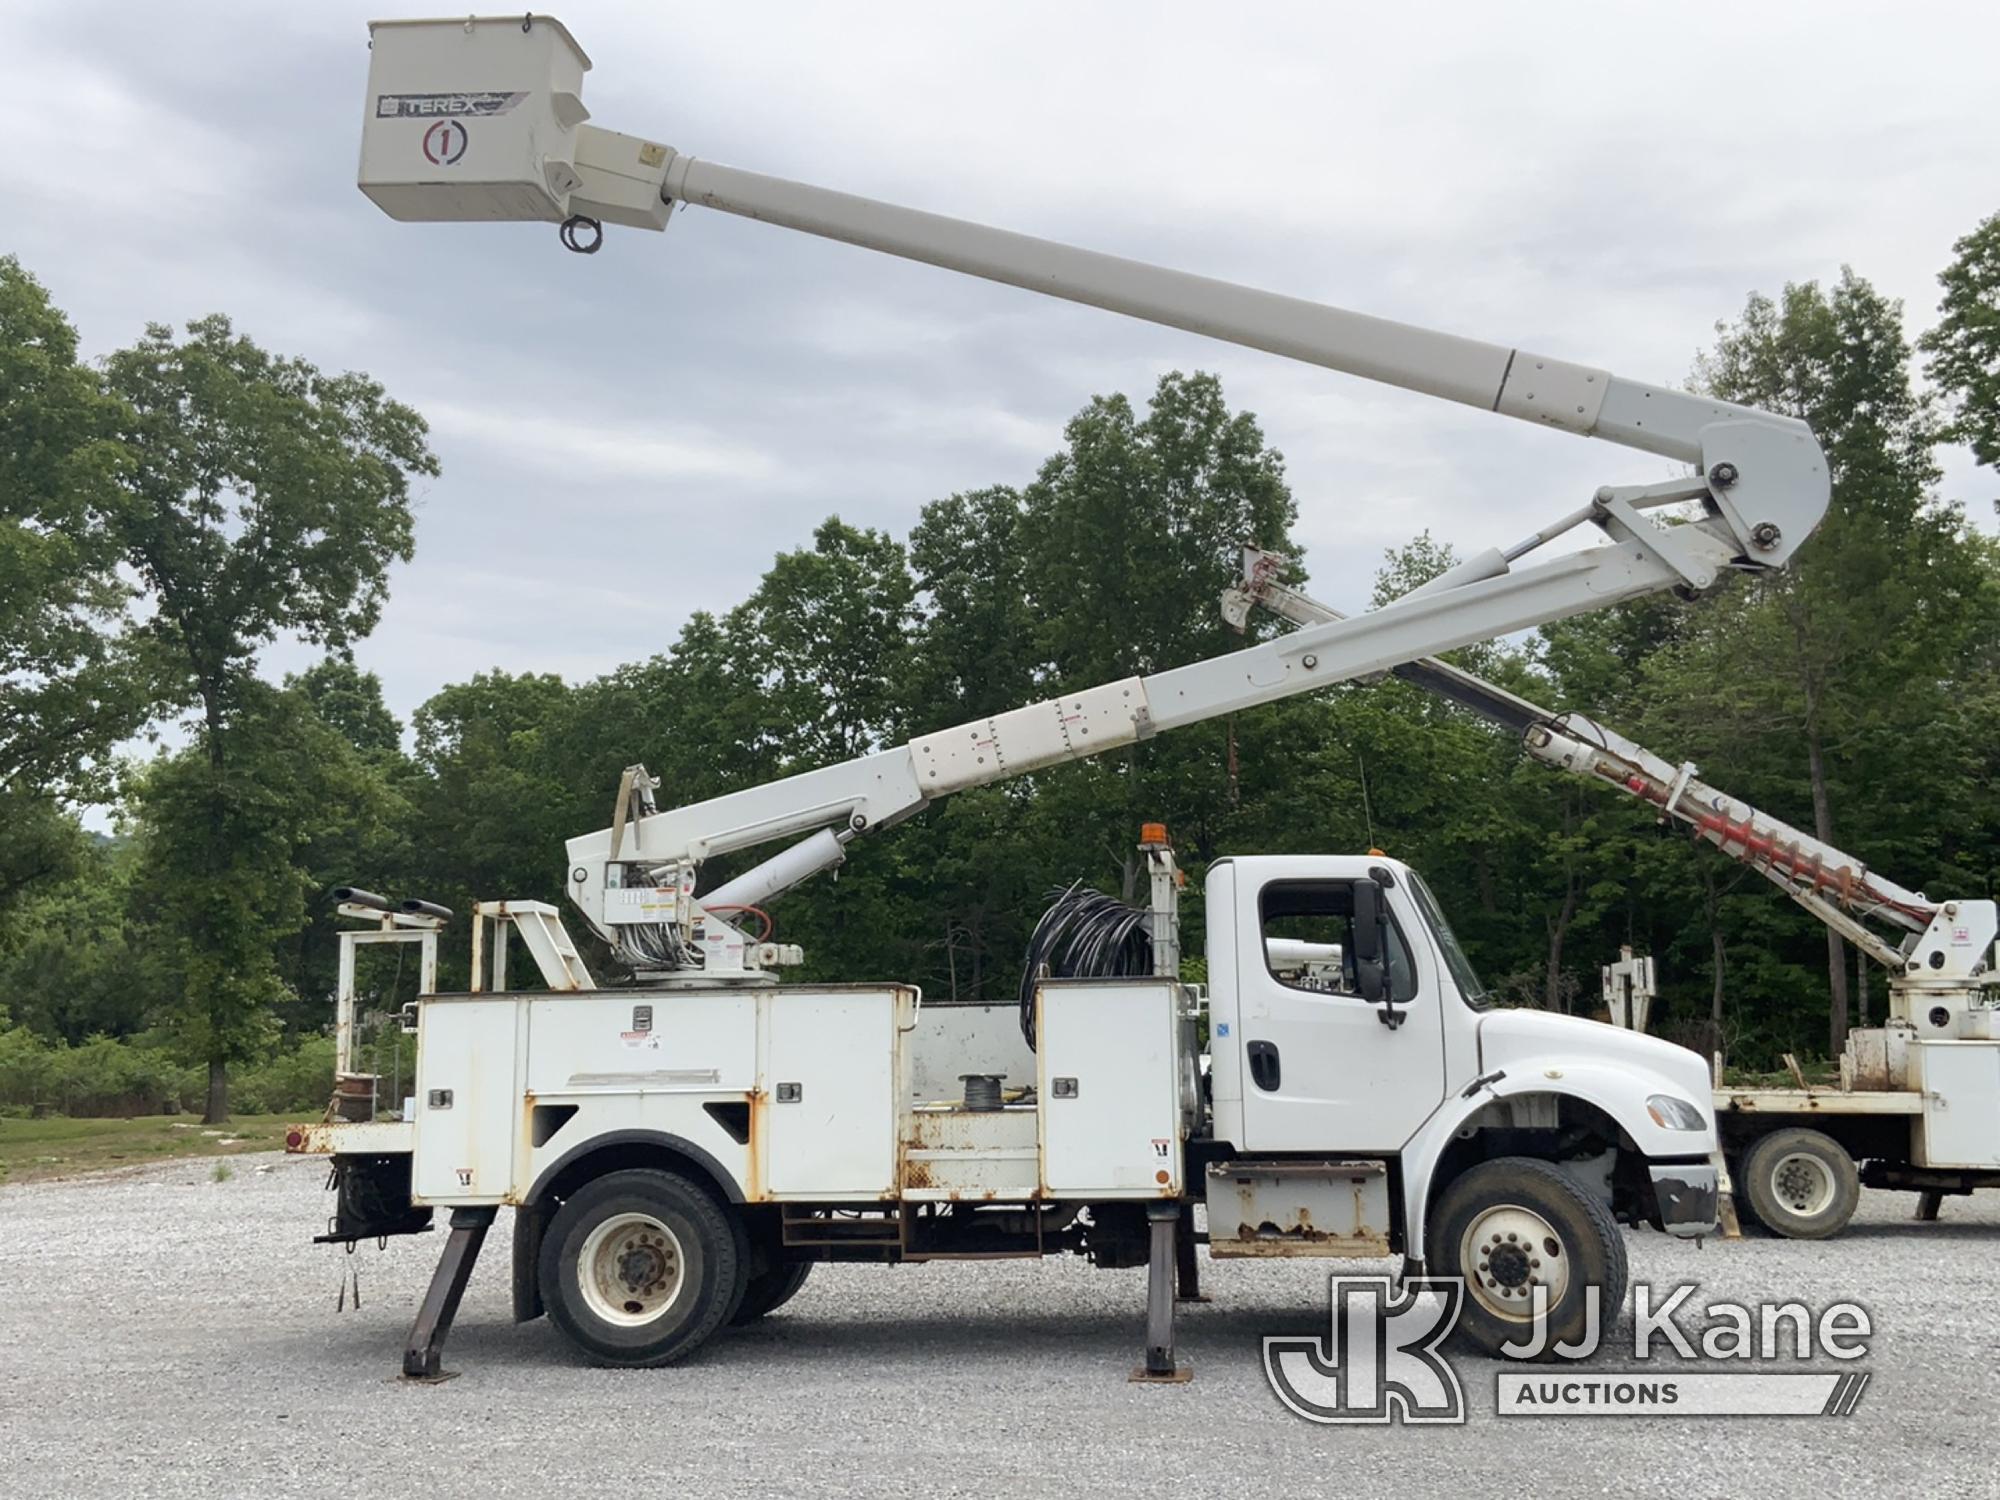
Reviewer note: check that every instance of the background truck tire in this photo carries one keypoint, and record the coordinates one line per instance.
(771, 1289)
(1514, 1221)
(641, 1267)
(1799, 1183)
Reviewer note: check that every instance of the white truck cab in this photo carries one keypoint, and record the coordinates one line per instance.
(1433, 1063)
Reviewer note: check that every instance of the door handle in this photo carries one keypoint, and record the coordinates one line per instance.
(1264, 1070)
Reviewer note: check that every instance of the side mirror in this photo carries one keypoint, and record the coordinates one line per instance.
(1371, 950)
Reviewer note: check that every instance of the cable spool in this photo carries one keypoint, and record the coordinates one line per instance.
(982, 1091)
(1084, 934)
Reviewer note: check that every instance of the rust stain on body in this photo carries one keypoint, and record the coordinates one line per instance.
(314, 1140)
(1255, 1240)
(753, 1186)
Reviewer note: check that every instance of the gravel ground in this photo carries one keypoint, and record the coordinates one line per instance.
(165, 1334)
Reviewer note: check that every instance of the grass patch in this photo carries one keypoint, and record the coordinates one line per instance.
(31, 1150)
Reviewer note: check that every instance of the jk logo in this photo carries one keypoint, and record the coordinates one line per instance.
(1379, 1362)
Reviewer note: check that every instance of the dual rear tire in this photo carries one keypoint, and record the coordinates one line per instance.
(641, 1267)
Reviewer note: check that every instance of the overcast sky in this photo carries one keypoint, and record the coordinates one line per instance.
(629, 437)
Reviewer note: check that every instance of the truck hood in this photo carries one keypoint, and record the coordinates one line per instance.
(1541, 1039)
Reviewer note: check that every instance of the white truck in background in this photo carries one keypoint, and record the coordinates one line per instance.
(1917, 1108)
(679, 1152)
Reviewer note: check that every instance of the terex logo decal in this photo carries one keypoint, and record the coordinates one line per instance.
(475, 102)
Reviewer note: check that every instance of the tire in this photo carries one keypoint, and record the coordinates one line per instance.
(640, 1268)
(772, 1290)
(1504, 1207)
(1799, 1184)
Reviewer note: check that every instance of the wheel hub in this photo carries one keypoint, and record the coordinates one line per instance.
(1509, 1265)
(1802, 1183)
(1507, 1252)
(630, 1269)
(641, 1267)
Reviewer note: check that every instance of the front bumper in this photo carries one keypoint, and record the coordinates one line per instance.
(1685, 1194)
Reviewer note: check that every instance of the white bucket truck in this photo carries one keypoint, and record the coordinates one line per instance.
(680, 1151)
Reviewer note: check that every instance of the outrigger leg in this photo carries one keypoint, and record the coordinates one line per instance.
(423, 1357)
(1163, 1222)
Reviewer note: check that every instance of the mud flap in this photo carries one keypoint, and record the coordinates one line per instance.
(529, 1225)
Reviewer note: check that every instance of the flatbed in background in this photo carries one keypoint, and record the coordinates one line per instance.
(1831, 1101)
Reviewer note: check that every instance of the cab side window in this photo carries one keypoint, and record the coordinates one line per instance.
(1309, 939)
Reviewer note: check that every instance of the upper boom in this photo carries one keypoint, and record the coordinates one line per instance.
(484, 119)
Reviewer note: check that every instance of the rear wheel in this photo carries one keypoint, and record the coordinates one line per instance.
(771, 1290)
(1516, 1225)
(641, 1267)
(1800, 1184)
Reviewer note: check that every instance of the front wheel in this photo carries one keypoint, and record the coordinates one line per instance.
(640, 1268)
(1800, 1184)
(1516, 1223)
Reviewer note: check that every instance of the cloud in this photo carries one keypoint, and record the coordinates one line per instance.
(580, 450)
(629, 437)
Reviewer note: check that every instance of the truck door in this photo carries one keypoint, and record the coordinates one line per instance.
(1321, 1069)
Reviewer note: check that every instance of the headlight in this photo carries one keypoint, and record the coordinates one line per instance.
(1671, 1113)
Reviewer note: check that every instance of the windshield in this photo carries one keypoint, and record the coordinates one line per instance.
(1462, 972)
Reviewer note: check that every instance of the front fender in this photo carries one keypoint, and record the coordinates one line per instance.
(1619, 1091)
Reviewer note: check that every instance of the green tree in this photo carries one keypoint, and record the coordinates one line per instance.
(66, 688)
(497, 798)
(825, 638)
(1134, 529)
(696, 717)
(261, 496)
(69, 964)
(1131, 533)
(350, 700)
(40, 845)
(375, 845)
(226, 834)
(1964, 347)
(61, 601)
(975, 654)
(1853, 653)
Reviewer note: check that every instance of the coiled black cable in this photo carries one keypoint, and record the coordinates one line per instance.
(1084, 934)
